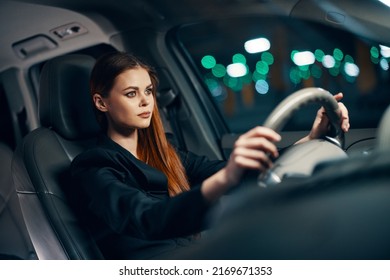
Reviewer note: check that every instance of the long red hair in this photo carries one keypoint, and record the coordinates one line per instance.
(153, 146)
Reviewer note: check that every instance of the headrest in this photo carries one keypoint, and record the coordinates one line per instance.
(64, 103)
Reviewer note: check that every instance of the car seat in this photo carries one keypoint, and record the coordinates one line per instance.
(42, 160)
(14, 240)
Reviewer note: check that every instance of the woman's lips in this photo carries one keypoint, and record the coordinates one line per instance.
(144, 115)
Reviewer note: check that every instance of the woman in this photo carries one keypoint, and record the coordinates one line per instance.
(141, 197)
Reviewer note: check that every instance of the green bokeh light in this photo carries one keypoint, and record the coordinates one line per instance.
(304, 74)
(304, 67)
(262, 67)
(374, 52)
(316, 71)
(247, 79)
(258, 76)
(295, 75)
(319, 55)
(233, 83)
(239, 58)
(292, 54)
(334, 71)
(267, 57)
(349, 59)
(219, 70)
(375, 60)
(338, 54)
(208, 61)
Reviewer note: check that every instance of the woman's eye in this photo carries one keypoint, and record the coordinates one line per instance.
(149, 91)
(131, 94)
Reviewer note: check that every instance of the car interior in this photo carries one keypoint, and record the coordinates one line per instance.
(48, 49)
(42, 160)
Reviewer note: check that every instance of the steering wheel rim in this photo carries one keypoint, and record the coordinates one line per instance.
(301, 98)
(283, 112)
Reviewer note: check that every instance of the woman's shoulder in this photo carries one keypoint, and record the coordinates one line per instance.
(95, 152)
(94, 156)
(100, 153)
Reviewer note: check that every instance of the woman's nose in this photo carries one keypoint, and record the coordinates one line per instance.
(144, 100)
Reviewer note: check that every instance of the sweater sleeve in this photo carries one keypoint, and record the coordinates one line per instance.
(125, 207)
(199, 168)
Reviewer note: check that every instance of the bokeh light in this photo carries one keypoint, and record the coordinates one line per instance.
(328, 61)
(219, 71)
(262, 86)
(208, 61)
(257, 45)
(351, 69)
(303, 58)
(236, 70)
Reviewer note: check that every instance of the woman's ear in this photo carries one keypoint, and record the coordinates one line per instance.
(99, 102)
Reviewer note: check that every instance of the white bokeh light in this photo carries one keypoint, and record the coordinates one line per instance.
(385, 51)
(257, 45)
(351, 69)
(236, 70)
(328, 61)
(304, 58)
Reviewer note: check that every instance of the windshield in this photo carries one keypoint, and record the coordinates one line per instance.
(249, 65)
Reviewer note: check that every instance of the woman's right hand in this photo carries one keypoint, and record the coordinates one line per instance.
(252, 150)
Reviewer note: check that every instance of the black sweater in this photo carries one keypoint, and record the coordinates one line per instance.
(126, 206)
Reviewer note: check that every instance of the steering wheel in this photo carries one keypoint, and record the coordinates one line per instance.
(300, 160)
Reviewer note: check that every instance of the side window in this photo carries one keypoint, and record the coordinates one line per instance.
(249, 65)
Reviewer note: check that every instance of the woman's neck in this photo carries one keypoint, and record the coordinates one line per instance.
(128, 141)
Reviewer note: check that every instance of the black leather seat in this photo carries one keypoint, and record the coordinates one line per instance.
(41, 162)
(14, 240)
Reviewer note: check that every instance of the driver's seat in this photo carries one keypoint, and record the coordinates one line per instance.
(41, 162)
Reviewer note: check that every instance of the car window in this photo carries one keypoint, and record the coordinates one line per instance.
(249, 65)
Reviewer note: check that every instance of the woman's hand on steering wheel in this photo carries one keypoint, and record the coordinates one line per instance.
(321, 123)
(252, 150)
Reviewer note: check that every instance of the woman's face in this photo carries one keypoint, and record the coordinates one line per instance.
(130, 102)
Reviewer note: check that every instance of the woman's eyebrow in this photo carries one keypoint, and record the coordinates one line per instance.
(136, 88)
(130, 87)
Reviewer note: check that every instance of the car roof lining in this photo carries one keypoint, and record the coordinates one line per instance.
(102, 18)
(23, 30)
